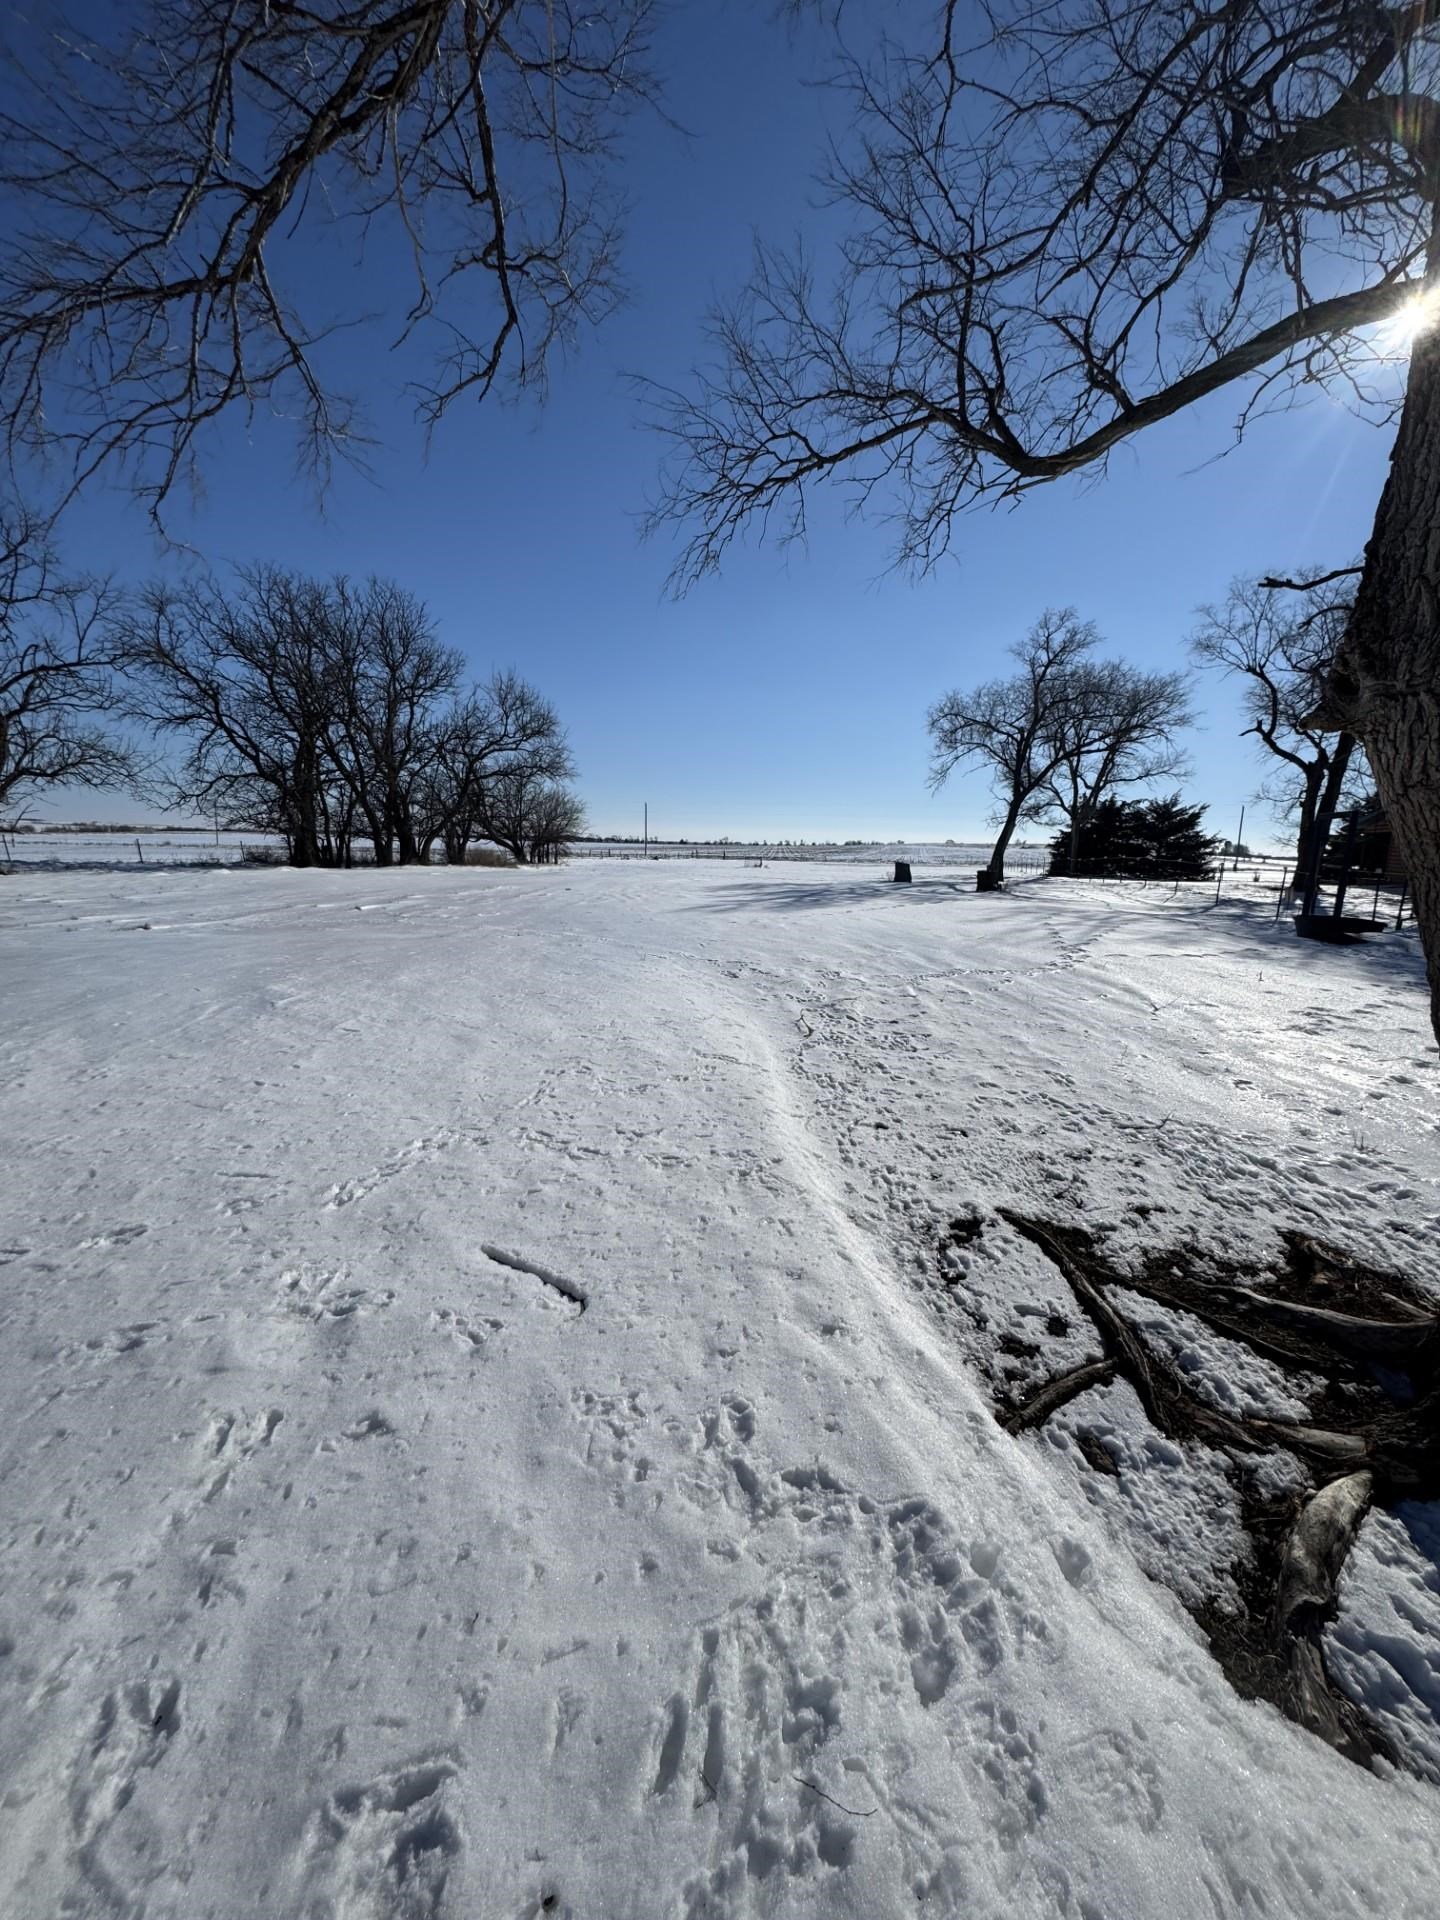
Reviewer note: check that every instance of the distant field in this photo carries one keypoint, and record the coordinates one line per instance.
(172, 847)
(165, 847)
(920, 853)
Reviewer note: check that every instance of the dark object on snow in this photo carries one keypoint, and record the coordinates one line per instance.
(1370, 1435)
(902, 869)
(1343, 931)
(986, 882)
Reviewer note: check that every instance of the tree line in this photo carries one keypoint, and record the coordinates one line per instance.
(1067, 221)
(1065, 734)
(325, 712)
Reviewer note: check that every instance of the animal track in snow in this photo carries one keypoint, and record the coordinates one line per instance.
(229, 1440)
(734, 1420)
(373, 1426)
(760, 1731)
(569, 1710)
(114, 1237)
(469, 1333)
(317, 1293)
(766, 1702)
(428, 1147)
(385, 1851)
(120, 1339)
(1118, 1775)
(119, 1848)
(675, 1726)
(614, 1420)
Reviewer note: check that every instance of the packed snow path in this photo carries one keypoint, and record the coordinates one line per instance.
(477, 1442)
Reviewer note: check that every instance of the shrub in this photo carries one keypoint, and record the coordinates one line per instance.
(1139, 839)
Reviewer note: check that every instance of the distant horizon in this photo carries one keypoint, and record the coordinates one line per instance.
(1257, 844)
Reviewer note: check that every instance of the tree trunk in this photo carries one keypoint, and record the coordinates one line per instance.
(996, 867)
(1386, 685)
(1074, 824)
(406, 847)
(1329, 801)
(1308, 853)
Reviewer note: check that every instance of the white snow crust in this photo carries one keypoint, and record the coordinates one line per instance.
(484, 1437)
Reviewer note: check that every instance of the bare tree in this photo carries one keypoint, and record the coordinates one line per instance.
(530, 814)
(557, 815)
(1099, 214)
(243, 678)
(499, 730)
(389, 675)
(1282, 637)
(57, 685)
(1117, 728)
(168, 165)
(1015, 727)
(329, 712)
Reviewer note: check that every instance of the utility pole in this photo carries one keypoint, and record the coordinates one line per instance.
(1239, 836)
(647, 830)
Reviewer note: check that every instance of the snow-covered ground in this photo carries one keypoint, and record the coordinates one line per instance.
(153, 847)
(963, 856)
(484, 1437)
(202, 847)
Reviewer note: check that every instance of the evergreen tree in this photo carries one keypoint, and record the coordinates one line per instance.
(1139, 839)
(1176, 846)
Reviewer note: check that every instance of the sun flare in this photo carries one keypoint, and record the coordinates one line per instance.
(1405, 326)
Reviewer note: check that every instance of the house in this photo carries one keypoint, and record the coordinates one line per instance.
(1378, 851)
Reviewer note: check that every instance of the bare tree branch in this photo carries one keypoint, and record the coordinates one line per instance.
(57, 686)
(166, 172)
(1090, 219)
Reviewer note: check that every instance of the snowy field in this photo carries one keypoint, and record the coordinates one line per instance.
(160, 847)
(171, 847)
(962, 856)
(483, 1438)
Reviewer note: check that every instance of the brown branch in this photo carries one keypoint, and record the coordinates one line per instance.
(1057, 1393)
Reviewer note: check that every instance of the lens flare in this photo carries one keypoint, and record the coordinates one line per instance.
(1418, 315)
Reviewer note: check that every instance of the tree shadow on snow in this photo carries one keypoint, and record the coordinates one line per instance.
(789, 896)
(1186, 921)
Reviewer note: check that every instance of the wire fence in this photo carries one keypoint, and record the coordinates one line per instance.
(920, 855)
(1257, 880)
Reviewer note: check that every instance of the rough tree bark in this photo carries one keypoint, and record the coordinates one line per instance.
(1386, 686)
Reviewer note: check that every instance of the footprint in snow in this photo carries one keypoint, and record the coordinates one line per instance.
(385, 1850)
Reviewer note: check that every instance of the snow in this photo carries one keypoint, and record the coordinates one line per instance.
(1384, 1648)
(1177, 1508)
(1223, 1373)
(153, 847)
(485, 1432)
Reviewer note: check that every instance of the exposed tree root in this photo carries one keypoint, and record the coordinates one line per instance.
(1054, 1394)
(1380, 1440)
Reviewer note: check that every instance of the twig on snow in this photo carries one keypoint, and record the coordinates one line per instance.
(857, 1813)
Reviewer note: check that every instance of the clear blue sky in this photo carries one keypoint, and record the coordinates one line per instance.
(787, 698)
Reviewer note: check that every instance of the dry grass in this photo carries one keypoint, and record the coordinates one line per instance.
(487, 857)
